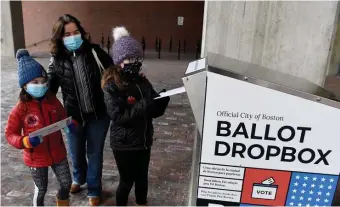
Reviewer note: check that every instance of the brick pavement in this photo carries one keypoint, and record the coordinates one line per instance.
(171, 154)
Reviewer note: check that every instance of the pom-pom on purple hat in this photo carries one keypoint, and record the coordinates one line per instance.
(124, 46)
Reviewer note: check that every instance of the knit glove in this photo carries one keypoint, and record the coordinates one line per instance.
(71, 128)
(31, 142)
(160, 105)
(163, 100)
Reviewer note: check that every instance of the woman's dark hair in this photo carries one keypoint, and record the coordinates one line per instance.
(57, 45)
(113, 74)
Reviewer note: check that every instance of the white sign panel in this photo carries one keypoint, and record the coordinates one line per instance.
(257, 126)
(180, 21)
(223, 195)
(282, 148)
(222, 171)
(220, 183)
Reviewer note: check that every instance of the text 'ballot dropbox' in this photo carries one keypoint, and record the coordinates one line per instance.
(257, 151)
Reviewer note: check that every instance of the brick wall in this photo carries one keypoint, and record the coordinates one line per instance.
(148, 19)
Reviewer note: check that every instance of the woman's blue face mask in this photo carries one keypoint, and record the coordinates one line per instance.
(73, 42)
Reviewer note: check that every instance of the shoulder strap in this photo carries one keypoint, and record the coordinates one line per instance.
(100, 65)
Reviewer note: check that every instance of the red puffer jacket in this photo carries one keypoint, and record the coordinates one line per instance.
(29, 117)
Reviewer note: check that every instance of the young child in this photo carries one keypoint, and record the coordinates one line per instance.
(37, 109)
(129, 98)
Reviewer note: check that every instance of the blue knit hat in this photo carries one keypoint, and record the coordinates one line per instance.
(28, 68)
(125, 46)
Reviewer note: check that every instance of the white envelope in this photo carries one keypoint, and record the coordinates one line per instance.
(51, 128)
(171, 92)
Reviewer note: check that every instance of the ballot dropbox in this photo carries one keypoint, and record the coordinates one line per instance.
(264, 137)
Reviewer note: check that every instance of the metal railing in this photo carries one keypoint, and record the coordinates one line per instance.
(106, 45)
(38, 43)
(181, 47)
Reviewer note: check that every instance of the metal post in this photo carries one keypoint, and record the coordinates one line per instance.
(108, 44)
(184, 44)
(143, 45)
(159, 48)
(156, 44)
(179, 50)
(170, 46)
(102, 41)
(197, 49)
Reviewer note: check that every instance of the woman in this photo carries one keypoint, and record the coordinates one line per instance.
(129, 98)
(73, 67)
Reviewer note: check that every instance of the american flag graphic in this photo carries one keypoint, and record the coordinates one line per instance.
(306, 189)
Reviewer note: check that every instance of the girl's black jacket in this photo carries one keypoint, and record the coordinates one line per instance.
(131, 127)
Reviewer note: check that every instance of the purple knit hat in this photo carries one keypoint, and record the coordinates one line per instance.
(124, 46)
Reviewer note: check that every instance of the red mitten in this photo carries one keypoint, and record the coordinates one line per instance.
(131, 100)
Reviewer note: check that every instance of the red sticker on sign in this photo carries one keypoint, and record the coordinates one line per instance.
(265, 187)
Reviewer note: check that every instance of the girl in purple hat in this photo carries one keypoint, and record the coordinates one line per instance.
(129, 98)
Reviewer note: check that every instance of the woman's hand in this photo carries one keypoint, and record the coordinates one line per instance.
(71, 128)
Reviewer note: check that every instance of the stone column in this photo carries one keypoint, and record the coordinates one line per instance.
(12, 28)
(291, 37)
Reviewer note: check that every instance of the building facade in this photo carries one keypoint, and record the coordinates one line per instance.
(150, 20)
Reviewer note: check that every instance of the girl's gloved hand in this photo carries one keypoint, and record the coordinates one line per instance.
(164, 100)
(31, 142)
(162, 91)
